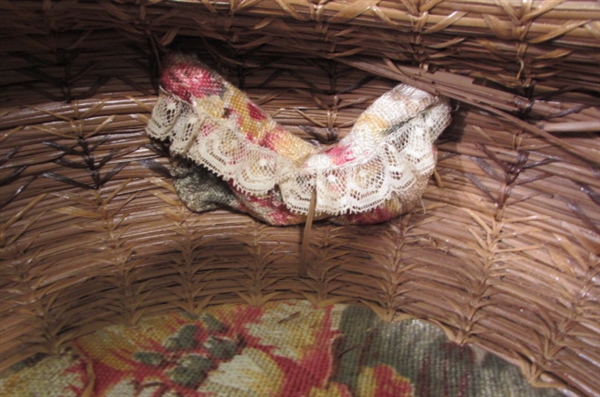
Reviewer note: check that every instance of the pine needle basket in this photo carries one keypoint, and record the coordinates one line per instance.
(504, 252)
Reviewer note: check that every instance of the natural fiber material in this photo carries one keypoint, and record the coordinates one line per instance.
(503, 253)
(377, 172)
(285, 349)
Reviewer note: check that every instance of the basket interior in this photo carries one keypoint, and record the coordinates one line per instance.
(504, 251)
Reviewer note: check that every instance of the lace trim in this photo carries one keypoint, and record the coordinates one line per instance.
(388, 152)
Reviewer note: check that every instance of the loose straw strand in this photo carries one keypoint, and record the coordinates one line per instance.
(306, 235)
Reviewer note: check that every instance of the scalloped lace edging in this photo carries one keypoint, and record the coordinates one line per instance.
(389, 151)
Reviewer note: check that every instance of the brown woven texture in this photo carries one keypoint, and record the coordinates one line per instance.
(503, 253)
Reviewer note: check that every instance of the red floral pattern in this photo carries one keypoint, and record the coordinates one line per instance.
(255, 112)
(187, 81)
(274, 172)
(340, 155)
(285, 349)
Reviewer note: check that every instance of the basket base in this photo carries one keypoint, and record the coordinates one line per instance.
(286, 348)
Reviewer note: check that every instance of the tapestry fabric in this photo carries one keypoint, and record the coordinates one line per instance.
(376, 172)
(283, 349)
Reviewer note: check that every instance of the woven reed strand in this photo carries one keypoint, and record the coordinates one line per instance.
(504, 253)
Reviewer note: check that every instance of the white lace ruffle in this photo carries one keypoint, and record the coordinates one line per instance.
(389, 152)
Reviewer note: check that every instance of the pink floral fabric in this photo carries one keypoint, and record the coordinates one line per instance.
(378, 171)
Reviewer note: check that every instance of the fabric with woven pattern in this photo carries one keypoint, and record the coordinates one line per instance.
(284, 349)
(378, 171)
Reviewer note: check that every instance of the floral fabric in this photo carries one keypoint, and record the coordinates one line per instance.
(376, 172)
(284, 349)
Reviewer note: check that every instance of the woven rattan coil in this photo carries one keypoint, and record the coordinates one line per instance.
(504, 251)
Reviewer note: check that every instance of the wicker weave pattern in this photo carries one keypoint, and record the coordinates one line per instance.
(505, 255)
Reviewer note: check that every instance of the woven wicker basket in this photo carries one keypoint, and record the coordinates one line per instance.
(504, 252)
